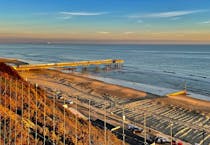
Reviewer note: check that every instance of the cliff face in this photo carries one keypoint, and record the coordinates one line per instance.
(23, 108)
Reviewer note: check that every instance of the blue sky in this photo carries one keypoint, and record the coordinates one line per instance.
(122, 20)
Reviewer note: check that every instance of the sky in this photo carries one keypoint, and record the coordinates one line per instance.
(106, 21)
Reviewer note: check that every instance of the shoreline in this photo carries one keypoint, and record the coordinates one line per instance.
(150, 89)
(155, 90)
(117, 90)
(185, 101)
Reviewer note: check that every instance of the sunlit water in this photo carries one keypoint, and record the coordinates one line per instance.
(158, 69)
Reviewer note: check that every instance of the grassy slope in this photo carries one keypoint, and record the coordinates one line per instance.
(14, 92)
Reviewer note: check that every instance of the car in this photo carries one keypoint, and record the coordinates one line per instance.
(59, 96)
(161, 140)
(134, 128)
(69, 102)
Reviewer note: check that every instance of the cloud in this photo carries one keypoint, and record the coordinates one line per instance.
(41, 13)
(169, 14)
(129, 32)
(103, 32)
(175, 18)
(140, 21)
(83, 13)
(65, 17)
(205, 22)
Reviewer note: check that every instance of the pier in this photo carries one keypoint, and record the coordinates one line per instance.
(107, 62)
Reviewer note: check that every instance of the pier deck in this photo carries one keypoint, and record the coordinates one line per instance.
(69, 64)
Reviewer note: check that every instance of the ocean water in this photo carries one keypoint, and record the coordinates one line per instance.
(158, 69)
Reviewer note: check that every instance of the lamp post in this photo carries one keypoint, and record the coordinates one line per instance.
(0, 104)
(89, 122)
(45, 117)
(171, 131)
(29, 118)
(204, 137)
(10, 99)
(22, 101)
(105, 123)
(36, 86)
(16, 98)
(5, 104)
(54, 97)
(64, 115)
(123, 117)
(145, 128)
(76, 120)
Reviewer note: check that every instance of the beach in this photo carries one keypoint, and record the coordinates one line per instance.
(105, 72)
(159, 69)
(93, 86)
(182, 110)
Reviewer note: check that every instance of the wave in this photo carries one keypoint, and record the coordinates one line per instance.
(160, 91)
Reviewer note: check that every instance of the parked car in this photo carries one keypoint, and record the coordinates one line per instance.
(59, 96)
(161, 140)
(134, 128)
(69, 102)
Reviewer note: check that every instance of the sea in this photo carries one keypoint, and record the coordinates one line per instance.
(157, 69)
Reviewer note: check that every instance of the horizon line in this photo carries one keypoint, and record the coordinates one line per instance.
(107, 43)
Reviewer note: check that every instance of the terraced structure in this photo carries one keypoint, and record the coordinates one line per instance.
(189, 126)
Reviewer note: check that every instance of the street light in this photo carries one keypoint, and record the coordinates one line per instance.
(89, 103)
(36, 87)
(171, 131)
(123, 117)
(145, 128)
(204, 137)
(105, 138)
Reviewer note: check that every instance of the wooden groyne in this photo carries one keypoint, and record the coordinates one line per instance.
(70, 64)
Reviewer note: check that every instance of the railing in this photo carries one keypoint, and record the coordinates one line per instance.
(24, 119)
(17, 118)
(69, 64)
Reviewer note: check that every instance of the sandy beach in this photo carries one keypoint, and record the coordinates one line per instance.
(182, 110)
(189, 102)
(94, 86)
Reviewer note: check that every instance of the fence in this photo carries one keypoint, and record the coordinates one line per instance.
(28, 115)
